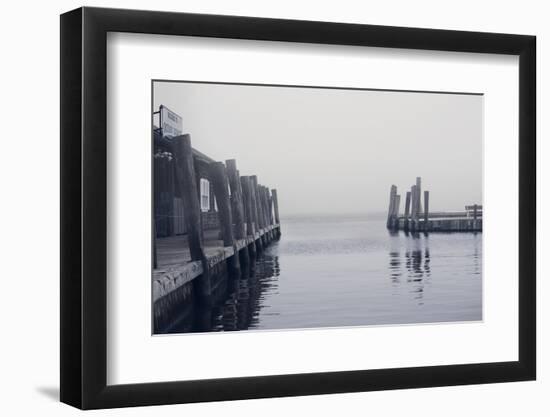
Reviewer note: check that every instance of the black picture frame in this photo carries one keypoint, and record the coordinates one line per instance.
(84, 207)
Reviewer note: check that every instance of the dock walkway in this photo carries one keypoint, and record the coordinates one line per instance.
(175, 267)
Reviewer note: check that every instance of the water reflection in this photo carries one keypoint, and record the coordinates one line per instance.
(239, 306)
(395, 267)
(410, 269)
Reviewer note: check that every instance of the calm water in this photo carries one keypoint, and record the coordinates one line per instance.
(331, 272)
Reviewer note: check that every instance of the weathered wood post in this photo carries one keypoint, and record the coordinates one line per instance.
(187, 184)
(418, 195)
(395, 215)
(270, 212)
(262, 205)
(256, 209)
(265, 191)
(261, 190)
(407, 210)
(218, 176)
(270, 205)
(247, 198)
(255, 201)
(276, 211)
(220, 182)
(237, 206)
(185, 171)
(426, 209)
(239, 211)
(414, 208)
(393, 193)
(275, 205)
(250, 225)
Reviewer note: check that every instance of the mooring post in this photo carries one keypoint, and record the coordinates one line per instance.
(270, 205)
(239, 213)
(407, 210)
(255, 201)
(393, 192)
(262, 214)
(265, 192)
(185, 171)
(426, 209)
(261, 205)
(475, 212)
(261, 190)
(187, 184)
(276, 212)
(221, 191)
(414, 208)
(245, 184)
(250, 225)
(275, 205)
(256, 209)
(237, 206)
(395, 214)
(218, 175)
(418, 196)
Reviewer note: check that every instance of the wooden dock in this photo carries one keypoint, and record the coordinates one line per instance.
(418, 218)
(209, 224)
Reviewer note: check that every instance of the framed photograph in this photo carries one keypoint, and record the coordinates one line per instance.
(256, 208)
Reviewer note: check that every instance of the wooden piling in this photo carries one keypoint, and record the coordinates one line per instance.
(393, 193)
(475, 212)
(185, 171)
(266, 205)
(426, 208)
(237, 206)
(261, 207)
(413, 202)
(418, 196)
(395, 214)
(220, 182)
(407, 210)
(414, 208)
(255, 201)
(275, 205)
(247, 198)
(270, 205)
(257, 210)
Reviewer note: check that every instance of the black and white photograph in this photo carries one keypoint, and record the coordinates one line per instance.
(279, 207)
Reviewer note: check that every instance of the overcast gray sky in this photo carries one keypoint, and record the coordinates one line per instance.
(337, 151)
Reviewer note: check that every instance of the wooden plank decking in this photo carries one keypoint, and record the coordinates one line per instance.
(175, 267)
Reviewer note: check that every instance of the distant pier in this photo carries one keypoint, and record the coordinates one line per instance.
(418, 218)
(209, 224)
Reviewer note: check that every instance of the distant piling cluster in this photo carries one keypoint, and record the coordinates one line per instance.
(417, 217)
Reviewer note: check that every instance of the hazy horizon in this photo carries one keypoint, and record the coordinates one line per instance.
(337, 151)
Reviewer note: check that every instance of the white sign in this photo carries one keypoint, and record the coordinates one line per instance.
(170, 122)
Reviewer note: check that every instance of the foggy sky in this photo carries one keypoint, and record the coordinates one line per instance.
(338, 151)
